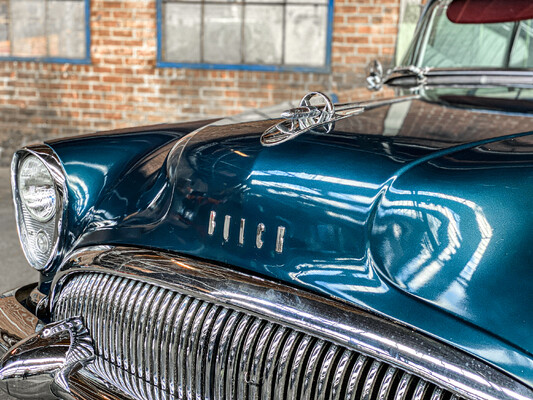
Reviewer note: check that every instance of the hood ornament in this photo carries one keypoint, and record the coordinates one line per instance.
(47, 359)
(307, 117)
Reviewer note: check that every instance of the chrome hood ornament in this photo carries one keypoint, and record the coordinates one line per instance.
(46, 359)
(307, 117)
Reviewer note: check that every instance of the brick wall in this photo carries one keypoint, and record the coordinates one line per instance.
(122, 86)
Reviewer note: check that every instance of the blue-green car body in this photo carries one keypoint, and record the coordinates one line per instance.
(423, 228)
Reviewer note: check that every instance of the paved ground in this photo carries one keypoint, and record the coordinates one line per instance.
(14, 270)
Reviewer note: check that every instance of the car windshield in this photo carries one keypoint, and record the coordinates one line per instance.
(447, 44)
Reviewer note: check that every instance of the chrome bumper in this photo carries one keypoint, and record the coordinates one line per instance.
(195, 311)
(16, 322)
(45, 361)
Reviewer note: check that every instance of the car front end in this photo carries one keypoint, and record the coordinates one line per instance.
(370, 250)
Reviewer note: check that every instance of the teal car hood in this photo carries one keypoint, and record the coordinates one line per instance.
(419, 213)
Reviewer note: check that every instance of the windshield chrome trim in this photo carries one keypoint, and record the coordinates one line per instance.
(338, 322)
(472, 77)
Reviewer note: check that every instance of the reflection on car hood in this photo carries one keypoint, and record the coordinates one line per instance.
(413, 210)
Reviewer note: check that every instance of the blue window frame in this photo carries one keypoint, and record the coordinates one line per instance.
(55, 31)
(262, 35)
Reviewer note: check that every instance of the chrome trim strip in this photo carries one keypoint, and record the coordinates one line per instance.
(339, 323)
(372, 104)
(86, 385)
(415, 77)
(52, 162)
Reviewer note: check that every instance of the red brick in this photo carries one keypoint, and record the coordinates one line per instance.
(113, 79)
(123, 86)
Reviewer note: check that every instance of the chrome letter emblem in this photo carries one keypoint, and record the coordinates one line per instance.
(279, 239)
(227, 221)
(259, 235)
(241, 231)
(212, 223)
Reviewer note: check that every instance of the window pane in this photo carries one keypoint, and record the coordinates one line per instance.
(305, 35)
(409, 14)
(254, 32)
(522, 53)
(222, 35)
(314, 2)
(263, 34)
(452, 45)
(182, 24)
(66, 35)
(5, 47)
(27, 18)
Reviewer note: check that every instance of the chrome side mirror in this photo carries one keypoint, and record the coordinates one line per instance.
(374, 78)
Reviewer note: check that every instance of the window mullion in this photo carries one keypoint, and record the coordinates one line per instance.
(283, 31)
(243, 16)
(202, 31)
(10, 30)
(46, 35)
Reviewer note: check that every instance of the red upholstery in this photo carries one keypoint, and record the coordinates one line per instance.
(489, 11)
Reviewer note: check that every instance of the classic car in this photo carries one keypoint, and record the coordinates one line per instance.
(372, 250)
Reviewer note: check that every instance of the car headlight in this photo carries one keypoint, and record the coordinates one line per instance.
(37, 189)
(39, 195)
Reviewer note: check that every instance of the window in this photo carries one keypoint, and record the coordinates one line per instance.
(45, 30)
(245, 34)
(410, 11)
(448, 44)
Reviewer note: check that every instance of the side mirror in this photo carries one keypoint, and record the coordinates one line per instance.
(374, 78)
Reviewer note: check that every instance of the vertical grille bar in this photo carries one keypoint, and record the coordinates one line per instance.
(406, 381)
(192, 349)
(234, 355)
(298, 367)
(325, 373)
(201, 354)
(356, 376)
(154, 343)
(273, 359)
(172, 322)
(338, 384)
(259, 354)
(210, 374)
(315, 357)
(246, 356)
(387, 383)
(219, 369)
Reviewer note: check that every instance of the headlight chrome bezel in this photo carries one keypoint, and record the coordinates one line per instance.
(56, 222)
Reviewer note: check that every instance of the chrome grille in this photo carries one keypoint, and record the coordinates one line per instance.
(155, 343)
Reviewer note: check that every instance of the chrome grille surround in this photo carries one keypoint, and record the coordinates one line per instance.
(168, 327)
